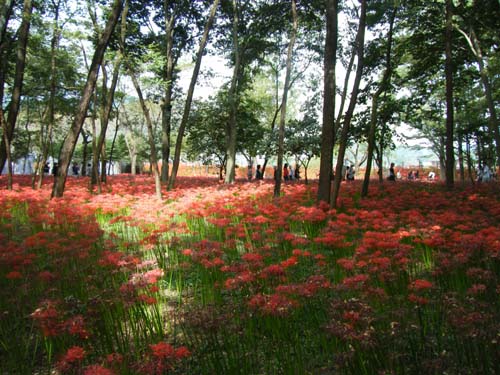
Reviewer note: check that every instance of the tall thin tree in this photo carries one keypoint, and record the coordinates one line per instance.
(327, 132)
(281, 131)
(360, 44)
(189, 98)
(71, 138)
(448, 67)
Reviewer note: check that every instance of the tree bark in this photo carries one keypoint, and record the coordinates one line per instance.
(475, 47)
(281, 133)
(50, 120)
(72, 136)
(153, 156)
(166, 120)
(15, 102)
(450, 154)
(189, 99)
(233, 103)
(328, 131)
(360, 40)
(374, 112)
(107, 106)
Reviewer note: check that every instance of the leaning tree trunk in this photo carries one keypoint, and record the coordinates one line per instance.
(15, 102)
(374, 112)
(189, 99)
(70, 141)
(233, 103)
(360, 39)
(149, 123)
(328, 132)
(450, 155)
(153, 157)
(281, 133)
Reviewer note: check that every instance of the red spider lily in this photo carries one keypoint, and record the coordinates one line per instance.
(14, 275)
(48, 318)
(71, 358)
(476, 289)
(292, 261)
(114, 359)
(162, 350)
(152, 276)
(242, 278)
(355, 282)
(310, 214)
(273, 270)
(421, 285)
(419, 300)
(76, 327)
(97, 370)
(148, 300)
(275, 304)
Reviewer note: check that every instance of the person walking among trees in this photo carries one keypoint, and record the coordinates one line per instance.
(392, 175)
(297, 172)
(285, 172)
(258, 173)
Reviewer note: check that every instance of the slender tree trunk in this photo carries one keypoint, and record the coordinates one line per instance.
(166, 121)
(94, 178)
(281, 133)
(450, 154)
(469, 158)
(360, 40)
(85, 137)
(15, 102)
(153, 156)
(475, 47)
(328, 127)
(461, 157)
(113, 142)
(46, 140)
(72, 136)
(374, 112)
(107, 106)
(189, 99)
(233, 103)
(5, 13)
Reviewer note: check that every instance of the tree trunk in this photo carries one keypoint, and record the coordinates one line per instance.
(374, 112)
(469, 158)
(46, 140)
(461, 157)
(189, 99)
(360, 40)
(72, 136)
(475, 47)
(450, 154)
(281, 133)
(85, 138)
(107, 106)
(166, 121)
(153, 156)
(113, 143)
(145, 111)
(233, 103)
(15, 102)
(328, 131)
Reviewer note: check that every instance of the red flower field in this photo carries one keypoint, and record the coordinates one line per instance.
(218, 279)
